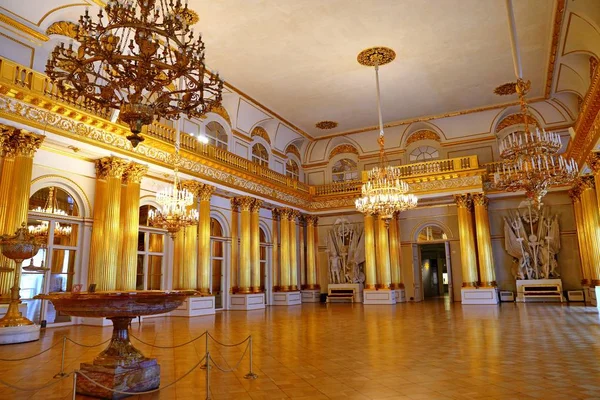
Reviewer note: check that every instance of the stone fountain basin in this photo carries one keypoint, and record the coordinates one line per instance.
(117, 304)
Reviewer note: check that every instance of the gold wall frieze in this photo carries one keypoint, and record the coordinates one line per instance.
(343, 149)
(516, 119)
(23, 28)
(293, 150)
(423, 134)
(261, 132)
(64, 28)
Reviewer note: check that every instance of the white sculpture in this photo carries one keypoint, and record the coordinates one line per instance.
(534, 249)
(344, 244)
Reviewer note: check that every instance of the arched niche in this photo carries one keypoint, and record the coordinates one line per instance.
(67, 185)
(431, 232)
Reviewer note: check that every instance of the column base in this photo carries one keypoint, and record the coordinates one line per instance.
(311, 296)
(594, 295)
(287, 299)
(195, 306)
(400, 295)
(19, 334)
(245, 302)
(382, 296)
(484, 295)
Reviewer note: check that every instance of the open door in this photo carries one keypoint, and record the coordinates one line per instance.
(418, 280)
(449, 270)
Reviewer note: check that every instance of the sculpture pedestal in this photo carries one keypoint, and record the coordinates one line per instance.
(287, 299)
(343, 290)
(380, 296)
(195, 306)
(539, 290)
(19, 334)
(311, 295)
(247, 301)
(484, 295)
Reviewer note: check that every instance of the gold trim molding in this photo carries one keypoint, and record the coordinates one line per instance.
(23, 28)
(261, 132)
(423, 134)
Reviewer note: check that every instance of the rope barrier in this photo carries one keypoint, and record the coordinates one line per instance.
(87, 345)
(167, 347)
(35, 355)
(236, 365)
(228, 345)
(29, 389)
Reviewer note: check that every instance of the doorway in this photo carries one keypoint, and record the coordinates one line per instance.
(434, 271)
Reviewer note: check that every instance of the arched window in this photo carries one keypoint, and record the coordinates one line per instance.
(344, 170)
(53, 200)
(151, 253)
(217, 136)
(292, 169)
(217, 257)
(260, 155)
(423, 153)
(431, 233)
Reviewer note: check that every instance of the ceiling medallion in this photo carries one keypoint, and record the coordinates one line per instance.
(326, 125)
(140, 57)
(376, 56)
(506, 89)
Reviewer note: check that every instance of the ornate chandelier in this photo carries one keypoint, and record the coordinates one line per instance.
(384, 192)
(129, 60)
(51, 207)
(531, 162)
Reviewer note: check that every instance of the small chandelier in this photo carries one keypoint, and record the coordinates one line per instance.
(384, 192)
(129, 60)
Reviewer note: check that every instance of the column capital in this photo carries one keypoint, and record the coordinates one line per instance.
(480, 199)
(276, 213)
(110, 167)
(256, 205)
(584, 182)
(575, 194)
(21, 142)
(463, 201)
(594, 162)
(235, 204)
(245, 203)
(293, 215)
(311, 220)
(134, 172)
(205, 192)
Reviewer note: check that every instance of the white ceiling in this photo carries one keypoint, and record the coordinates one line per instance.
(298, 58)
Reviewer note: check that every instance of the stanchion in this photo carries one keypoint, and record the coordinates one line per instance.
(250, 375)
(205, 349)
(207, 375)
(62, 360)
(74, 384)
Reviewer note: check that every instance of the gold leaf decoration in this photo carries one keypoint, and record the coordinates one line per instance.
(343, 148)
(506, 89)
(376, 56)
(64, 28)
(423, 135)
(326, 125)
(516, 119)
(260, 131)
(220, 110)
(294, 150)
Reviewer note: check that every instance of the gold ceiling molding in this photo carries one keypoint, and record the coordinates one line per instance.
(261, 132)
(64, 28)
(294, 150)
(220, 110)
(324, 125)
(559, 13)
(23, 28)
(506, 89)
(376, 56)
(593, 66)
(342, 149)
(587, 126)
(516, 119)
(424, 134)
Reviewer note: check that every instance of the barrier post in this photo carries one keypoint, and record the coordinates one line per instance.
(250, 375)
(74, 384)
(207, 375)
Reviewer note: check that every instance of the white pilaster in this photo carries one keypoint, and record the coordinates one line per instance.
(287, 298)
(244, 302)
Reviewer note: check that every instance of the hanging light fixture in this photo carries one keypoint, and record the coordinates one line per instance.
(383, 192)
(530, 160)
(50, 207)
(129, 59)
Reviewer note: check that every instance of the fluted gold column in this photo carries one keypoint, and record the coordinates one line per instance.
(293, 250)
(24, 145)
(180, 274)
(464, 205)
(235, 244)
(311, 252)
(302, 248)
(286, 281)
(370, 263)
(275, 250)
(187, 246)
(384, 254)
(6, 175)
(487, 271)
(586, 268)
(594, 163)
(255, 243)
(204, 268)
(245, 281)
(591, 218)
(395, 259)
(130, 223)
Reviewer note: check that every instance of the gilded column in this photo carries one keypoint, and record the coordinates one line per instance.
(204, 194)
(235, 244)
(180, 274)
(285, 276)
(293, 250)
(311, 252)
(275, 251)
(594, 163)
(487, 272)
(255, 243)
(24, 145)
(6, 174)
(302, 248)
(130, 223)
(591, 218)
(370, 263)
(464, 205)
(586, 268)
(104, 270)
(395, 254)
(245, 282)
(384, 254)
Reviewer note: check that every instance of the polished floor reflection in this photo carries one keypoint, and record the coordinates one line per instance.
(430, 350)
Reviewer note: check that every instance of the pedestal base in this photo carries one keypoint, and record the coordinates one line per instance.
(311, 296)
(381, 296)
(594, 296)
(244, 302)
(287, 299)
(400, 295)
(19, 334)
(139, 377)
(4, 308)
(195, 306)
(539, 290)
(480, 296)
(339, 291)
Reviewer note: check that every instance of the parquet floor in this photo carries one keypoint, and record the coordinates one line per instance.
(430, 350)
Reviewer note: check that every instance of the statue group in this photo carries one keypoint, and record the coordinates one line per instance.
(532, 238)
(345, 250)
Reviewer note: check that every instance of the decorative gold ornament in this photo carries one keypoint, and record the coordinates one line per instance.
(220, 110)
(293, 150)
(261, 132)
(506, 89)
(134, 172)
(424, 134)
(64, 28)
(324, 125)
(376, 56)
(515, 119)
(143, 59)
(342, 149)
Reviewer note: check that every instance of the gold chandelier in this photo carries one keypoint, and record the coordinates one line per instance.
(384, 192)
(530, 160)
(50, 207)
(129, 60)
